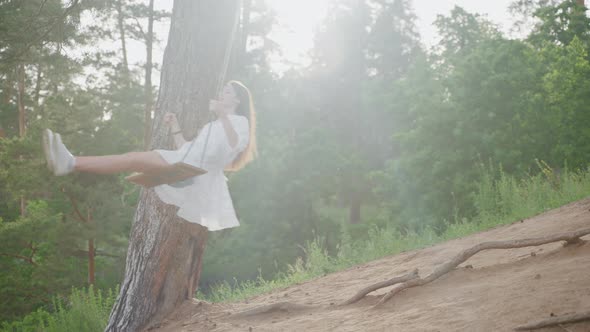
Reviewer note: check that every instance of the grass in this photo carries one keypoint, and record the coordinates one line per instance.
(500, 199)
(86, 310)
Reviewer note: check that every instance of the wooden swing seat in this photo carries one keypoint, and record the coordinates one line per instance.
(170, 174)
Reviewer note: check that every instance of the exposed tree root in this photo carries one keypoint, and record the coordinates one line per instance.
(553, 321)
(570, 237)
(399, 279)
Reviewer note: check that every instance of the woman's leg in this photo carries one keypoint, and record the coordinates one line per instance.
(128, 162)
(62, 162)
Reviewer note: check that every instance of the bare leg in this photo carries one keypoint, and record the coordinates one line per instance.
(128, 162)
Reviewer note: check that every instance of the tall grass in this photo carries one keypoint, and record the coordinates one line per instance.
(502, 198)
(499, 199)
(86, 310)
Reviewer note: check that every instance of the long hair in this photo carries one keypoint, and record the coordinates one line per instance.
(245, 108)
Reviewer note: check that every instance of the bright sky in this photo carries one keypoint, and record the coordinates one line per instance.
(427, 10)
(297, 20)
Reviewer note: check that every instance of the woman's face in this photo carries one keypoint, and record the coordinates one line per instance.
(228, 97)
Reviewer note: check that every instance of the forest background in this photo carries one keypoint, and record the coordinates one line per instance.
(377, 134)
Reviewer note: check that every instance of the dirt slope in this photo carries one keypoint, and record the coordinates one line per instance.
(504, 289)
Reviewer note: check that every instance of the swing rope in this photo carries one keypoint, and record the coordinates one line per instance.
(220, 82)
(181, 174)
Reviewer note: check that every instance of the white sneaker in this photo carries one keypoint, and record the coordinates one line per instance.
(48, 148)
(63, 159)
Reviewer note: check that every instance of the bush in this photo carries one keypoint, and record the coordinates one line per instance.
(86, 310)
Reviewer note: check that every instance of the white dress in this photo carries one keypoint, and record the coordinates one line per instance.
(207, 200)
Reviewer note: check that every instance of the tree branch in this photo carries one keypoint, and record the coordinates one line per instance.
(396, 280)
(570, 237)
(41, 7)
(84, 253)
(75, 206)
(145, 36)
(46, 32)
(21, 257)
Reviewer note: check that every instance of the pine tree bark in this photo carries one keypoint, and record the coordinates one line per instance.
(6, 96)
(91, 252)
(149, 40)
(165, 252)
(22, 118)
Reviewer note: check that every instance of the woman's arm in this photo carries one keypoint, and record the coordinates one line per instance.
(232, 135)
(178, 138)
(171, 121)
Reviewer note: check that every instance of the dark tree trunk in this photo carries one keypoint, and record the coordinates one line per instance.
(7, 89)
(22, 119)
(165, 252)
(91, 264)
(22, 128)
(149, 39)
(354, 216)
(6, 96)
(91, 252)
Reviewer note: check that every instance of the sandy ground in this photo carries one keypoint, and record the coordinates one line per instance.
(503, 289)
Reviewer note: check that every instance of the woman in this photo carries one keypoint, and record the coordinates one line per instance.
(230, 146)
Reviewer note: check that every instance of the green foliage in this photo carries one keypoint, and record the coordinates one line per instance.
(86, 310)
(48, 221)
(502, 198)
(560, 23)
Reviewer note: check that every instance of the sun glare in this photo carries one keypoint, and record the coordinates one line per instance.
(297, 21)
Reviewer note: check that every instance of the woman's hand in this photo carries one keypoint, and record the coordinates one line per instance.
(217, 108)
(171, 122)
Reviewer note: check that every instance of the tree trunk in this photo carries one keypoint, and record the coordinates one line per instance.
(121, 25)
(37, 95)
(165, 252)
(6, 96)
(354, 216)
(149, 39)
(91, 252)
(22, 128)
(91, 264)
(7, 89)
(21, 101)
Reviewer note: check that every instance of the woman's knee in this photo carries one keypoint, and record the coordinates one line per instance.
(144, 161)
